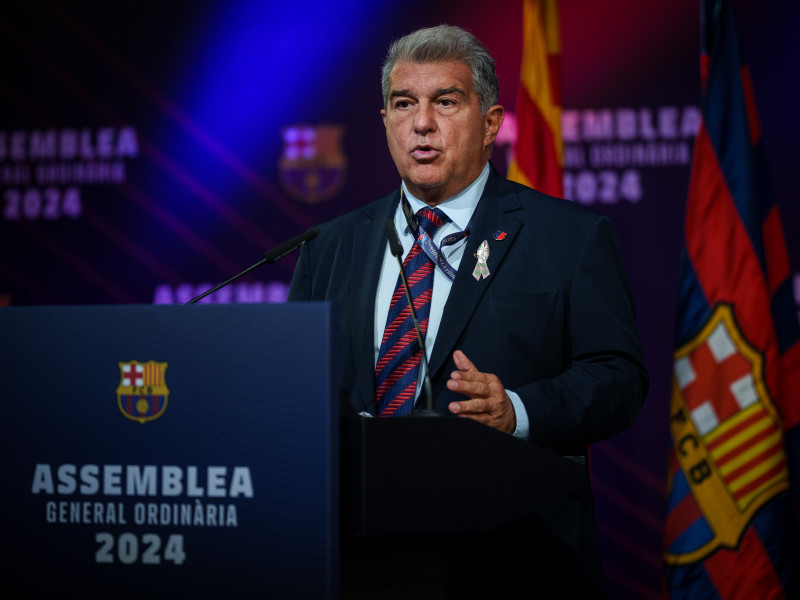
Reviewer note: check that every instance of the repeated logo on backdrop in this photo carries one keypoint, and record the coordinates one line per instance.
(313, 166)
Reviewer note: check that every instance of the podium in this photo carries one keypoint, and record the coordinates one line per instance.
(449, 508)
(199, 451)
(170, 451)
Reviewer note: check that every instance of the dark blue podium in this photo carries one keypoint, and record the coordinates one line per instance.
(204, 451)
(170, 451)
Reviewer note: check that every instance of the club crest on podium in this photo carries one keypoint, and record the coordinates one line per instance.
(142, 393)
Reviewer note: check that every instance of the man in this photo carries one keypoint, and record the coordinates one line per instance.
(530, 325)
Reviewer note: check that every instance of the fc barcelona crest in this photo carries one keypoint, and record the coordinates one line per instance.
(312, 167)
(728, 440)
(142, 392)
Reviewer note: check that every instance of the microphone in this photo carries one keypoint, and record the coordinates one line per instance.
(397, 250)
(269, 257)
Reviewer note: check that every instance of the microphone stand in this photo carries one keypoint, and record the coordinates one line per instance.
(270, 257)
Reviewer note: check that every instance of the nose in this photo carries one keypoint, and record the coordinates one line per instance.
(425, 119)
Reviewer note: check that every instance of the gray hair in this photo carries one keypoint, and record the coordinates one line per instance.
(441, 44)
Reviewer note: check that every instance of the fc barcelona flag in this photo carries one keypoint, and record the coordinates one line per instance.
(538, 153)
(731, 531)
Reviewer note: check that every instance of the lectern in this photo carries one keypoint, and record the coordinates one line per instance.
(450, 508)
(170, 451)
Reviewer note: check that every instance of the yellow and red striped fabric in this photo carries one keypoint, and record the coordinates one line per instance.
(538, 152)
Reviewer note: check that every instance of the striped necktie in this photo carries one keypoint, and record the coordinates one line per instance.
(399, 357)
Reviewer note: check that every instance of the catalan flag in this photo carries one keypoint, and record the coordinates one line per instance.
(731, 531)
(538, 160)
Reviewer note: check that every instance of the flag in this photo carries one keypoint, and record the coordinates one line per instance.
(538, 159)
(730, 530)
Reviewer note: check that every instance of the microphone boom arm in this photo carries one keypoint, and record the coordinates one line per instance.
(269, 257)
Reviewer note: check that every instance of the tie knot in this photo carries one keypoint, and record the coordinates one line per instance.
(430, 219)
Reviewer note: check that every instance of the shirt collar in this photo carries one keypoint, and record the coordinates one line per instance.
(458, 208)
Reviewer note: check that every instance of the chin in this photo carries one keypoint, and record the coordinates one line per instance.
(425, 180)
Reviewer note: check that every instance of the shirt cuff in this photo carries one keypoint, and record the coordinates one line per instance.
(523, 424)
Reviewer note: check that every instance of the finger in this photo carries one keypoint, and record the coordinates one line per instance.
(469, 376)
(467, 369)
(474, 407)
(472, 388)
(485, 411)
(462, 362)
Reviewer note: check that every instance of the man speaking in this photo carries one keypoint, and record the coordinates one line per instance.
(522, 298)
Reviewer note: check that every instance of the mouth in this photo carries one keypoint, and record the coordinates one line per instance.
(423, 152)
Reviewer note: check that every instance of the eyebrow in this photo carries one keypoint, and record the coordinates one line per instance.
(397, 93)
(437, 93)
(452, 90)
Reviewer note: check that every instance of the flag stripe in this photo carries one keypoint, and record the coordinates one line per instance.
(726, 120)
(734, 426)
(721, 565)
(789, 365)
(541, 48)
(750, 105)
(536, 166)
(538, 152)
(778, 268)
(777, 476)
(779, 542)
(724, 261)
(767, 464)
(747, 445)
(681, 518)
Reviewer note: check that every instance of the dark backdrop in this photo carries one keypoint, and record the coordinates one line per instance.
(144, 157)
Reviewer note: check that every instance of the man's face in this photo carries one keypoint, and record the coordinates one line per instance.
(437, 136)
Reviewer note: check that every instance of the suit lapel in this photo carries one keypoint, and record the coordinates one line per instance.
(368, 248)
(495, 213)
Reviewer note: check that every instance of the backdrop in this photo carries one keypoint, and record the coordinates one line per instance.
(149, 150)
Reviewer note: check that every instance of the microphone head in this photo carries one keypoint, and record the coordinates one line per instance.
(394, 242)
(293, 244)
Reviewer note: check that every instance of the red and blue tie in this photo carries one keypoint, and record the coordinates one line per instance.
(399, 357)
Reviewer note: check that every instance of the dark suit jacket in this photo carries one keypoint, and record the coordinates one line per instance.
(554, 320)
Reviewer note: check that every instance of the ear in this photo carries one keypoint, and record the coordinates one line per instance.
(383, 115)
(492, 120)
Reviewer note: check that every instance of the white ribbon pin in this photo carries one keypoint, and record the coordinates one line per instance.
(481, 269)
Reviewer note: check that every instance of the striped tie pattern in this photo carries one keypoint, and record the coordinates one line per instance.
(399, 357)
